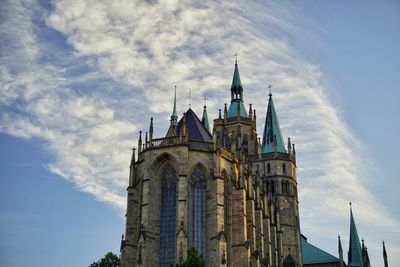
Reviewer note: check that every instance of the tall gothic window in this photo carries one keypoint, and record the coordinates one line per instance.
(168, 217)
(198, 211)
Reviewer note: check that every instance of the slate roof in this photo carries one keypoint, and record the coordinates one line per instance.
(272, 131)
(196, 130)
(313, 255)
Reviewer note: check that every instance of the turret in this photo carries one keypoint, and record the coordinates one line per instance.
(151, 129)
(140, 142)
(132, 173)
(250, 112)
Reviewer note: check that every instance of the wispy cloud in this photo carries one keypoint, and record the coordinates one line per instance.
(132, 54)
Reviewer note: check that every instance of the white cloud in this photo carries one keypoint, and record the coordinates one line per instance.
(146, 48)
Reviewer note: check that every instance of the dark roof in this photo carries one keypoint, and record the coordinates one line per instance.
(313, 255)
(196, 130)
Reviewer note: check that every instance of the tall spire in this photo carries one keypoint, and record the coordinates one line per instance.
(236, 88)
(236, 108)
(384, 254)
(174, 116)
(355, 252)
(272, 138)
(204, 119)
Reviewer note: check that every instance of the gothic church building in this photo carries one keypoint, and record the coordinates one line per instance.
(223, 190)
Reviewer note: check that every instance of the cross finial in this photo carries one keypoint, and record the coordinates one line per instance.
(205, 101)
(270, 91)
(236, 55)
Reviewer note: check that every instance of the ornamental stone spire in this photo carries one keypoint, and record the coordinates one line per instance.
(174, 116)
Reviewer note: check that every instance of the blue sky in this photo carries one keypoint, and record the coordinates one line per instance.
(79, 79)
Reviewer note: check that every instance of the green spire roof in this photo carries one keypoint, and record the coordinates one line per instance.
(272, 138)
(236, 107)
(236, 88)
(355, 253)
(204, 119)
(174, 116)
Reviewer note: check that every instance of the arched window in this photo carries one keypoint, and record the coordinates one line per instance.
(268, 168)
(283, 185)
(284, 168)
(198, 211)
(168, 217)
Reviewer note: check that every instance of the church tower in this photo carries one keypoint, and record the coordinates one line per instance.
(227, 194)
(276, 164)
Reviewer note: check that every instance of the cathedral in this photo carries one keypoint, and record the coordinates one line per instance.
(223, 190)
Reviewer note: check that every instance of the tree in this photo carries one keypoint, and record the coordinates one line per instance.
(109, 260)
(193, 260)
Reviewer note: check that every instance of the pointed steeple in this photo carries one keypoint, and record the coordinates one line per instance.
(204, 119)
(355, 252)
(236, 88)
(236, 108)
(384, 254)
(174, 116)
(272, 138)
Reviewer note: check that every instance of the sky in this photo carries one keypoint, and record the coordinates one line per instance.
(80, 78)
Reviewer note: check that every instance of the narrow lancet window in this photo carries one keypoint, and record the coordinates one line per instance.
(198, 211)
(168, 217)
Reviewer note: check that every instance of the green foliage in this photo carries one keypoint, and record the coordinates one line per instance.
(109, 260)
(193, 260)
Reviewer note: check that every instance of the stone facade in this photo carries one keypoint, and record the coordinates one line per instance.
(251, 197)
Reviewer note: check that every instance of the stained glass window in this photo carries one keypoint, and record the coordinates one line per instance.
(168, 217)
(198, 211)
